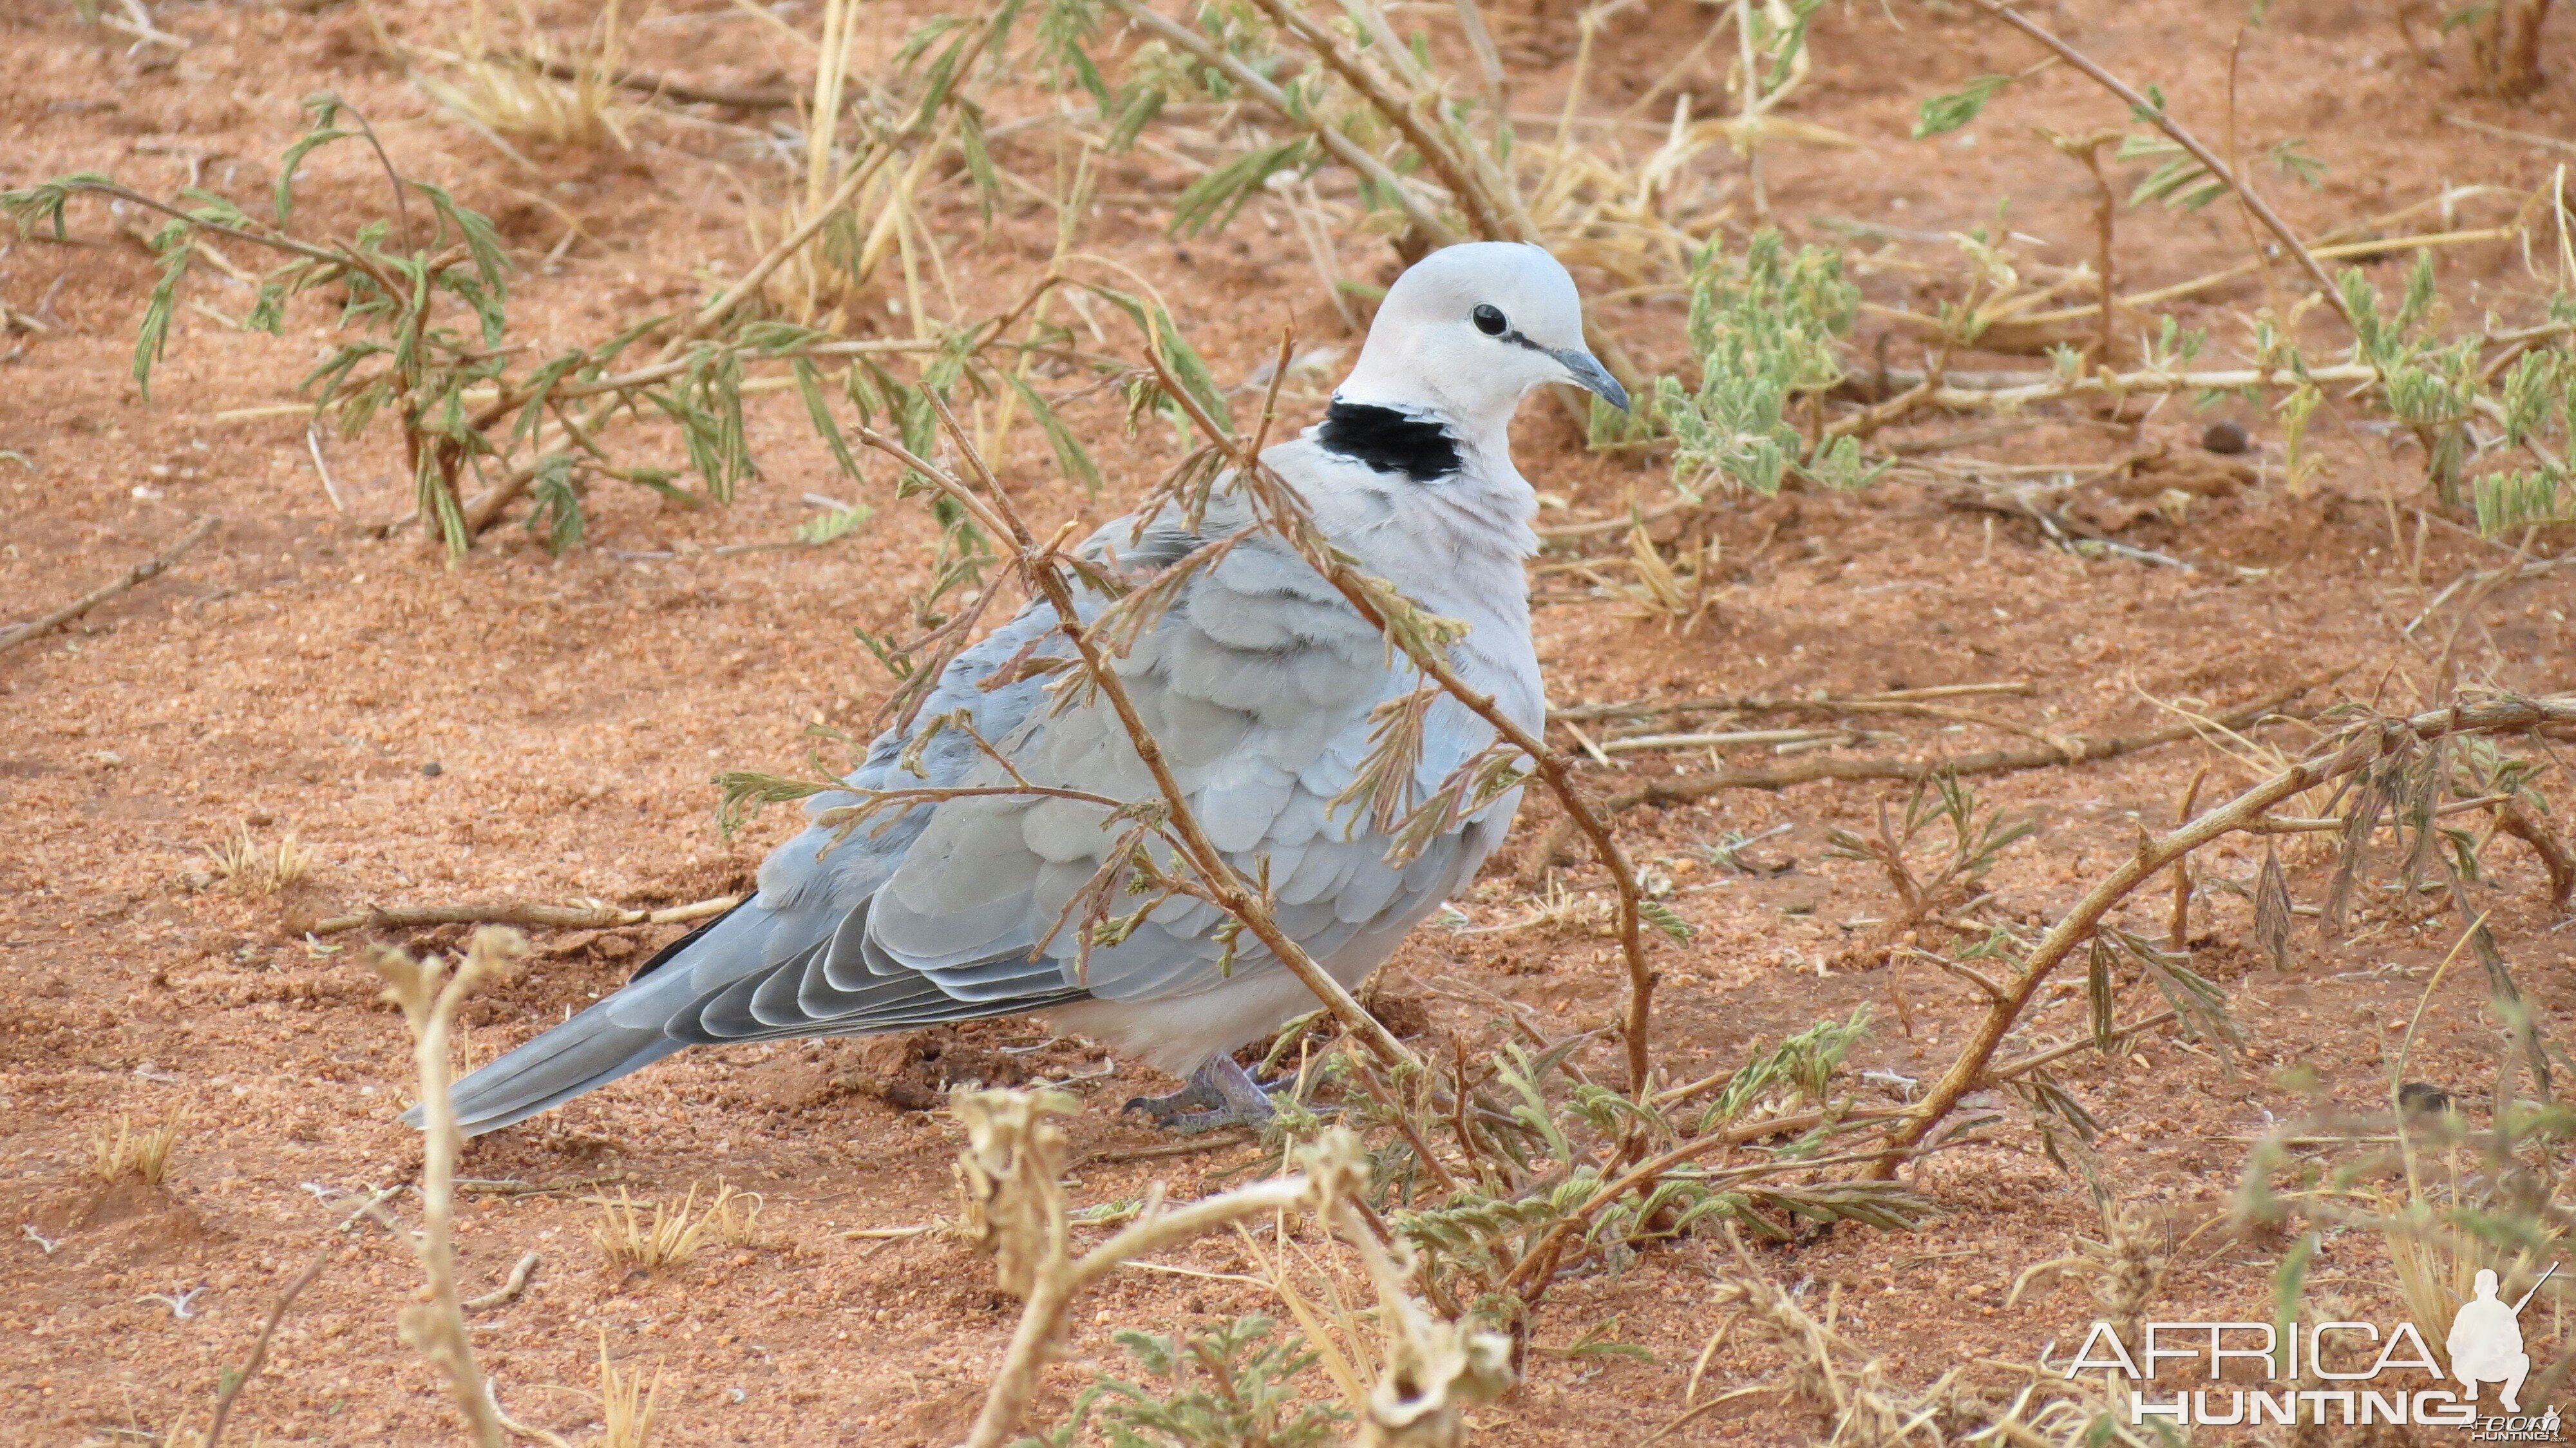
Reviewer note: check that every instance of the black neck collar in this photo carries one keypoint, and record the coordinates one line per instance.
(1389, 441)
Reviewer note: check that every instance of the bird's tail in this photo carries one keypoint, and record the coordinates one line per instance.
(610, 1039)
(581, 1055)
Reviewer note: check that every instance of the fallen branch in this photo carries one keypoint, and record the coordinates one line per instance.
(140, 573)
(258, 1358)
(588, 915)
(2353, 750)
(1683, 789)
(664, 88)
(2156, 116)
(1760, 704)
(508, 1292)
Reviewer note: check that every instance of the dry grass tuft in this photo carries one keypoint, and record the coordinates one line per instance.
(141, 1155)
(2126, 1267)
(248, 868)
(669, 1236)
(734, 1216)
(519, 94)
(626, 1403)
(1860, 1406)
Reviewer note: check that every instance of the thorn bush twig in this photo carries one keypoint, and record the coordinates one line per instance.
(429, 993)
(586, 915)
(1542, 853)
(2349, 752)
(16, 634)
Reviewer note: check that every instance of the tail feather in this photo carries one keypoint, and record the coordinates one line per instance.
(583, 1054)
(747, 983)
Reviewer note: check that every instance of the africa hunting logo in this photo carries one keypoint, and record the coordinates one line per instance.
(2484, 1346)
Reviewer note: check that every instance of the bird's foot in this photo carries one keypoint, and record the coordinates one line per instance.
(1219, 1094)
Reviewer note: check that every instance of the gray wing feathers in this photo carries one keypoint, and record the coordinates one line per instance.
(1258, 682)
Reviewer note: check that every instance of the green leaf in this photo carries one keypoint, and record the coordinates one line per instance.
(557, 515)
(325, 109)
(1942, 114)
(2098, 994)
(174, 245)
(979, 162)
(1070, 456)
(748, 792)
(818, 412)
(42, 204)
(268, 314)
(482, 242)
(834, 524)
(1214, 198)
(1661, 916)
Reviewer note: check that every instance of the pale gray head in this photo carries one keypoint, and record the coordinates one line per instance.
(1467, 331)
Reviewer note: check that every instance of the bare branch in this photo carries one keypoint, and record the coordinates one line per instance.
(140, 573)
(2156, 115)
(2351, 751)
(587, 915)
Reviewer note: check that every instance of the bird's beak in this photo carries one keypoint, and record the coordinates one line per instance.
(1591, 376)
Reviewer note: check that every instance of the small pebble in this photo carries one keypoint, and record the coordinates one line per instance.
(2223, 437)
(433, 769)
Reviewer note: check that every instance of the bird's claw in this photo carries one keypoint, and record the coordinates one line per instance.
(1219, 1094)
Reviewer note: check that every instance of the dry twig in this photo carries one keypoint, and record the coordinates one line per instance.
(586, 915)
(1685, 788)
(17, 634)
(259, 1345)
(2353, 750)
(429, 992)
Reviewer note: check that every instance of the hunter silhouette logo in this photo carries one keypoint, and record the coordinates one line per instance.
(2402, 1384)
(2486, 1341)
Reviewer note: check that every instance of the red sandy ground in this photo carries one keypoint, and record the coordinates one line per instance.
(296, 676)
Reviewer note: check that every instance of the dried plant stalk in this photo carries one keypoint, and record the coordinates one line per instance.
(429, 992)
(19, 633)
(1008, 1176)
(2354, 749)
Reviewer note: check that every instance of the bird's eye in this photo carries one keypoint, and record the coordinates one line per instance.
(1489, 319)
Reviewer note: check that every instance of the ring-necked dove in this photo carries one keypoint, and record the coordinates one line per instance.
(1258, 682)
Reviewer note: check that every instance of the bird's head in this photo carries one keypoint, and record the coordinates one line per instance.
(1468, 330)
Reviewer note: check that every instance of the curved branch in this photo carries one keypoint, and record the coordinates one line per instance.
(2357, 748)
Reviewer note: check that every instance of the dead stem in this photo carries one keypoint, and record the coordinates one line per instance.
(140, 573)
(2174, 130)
(587, 915)
(429, 993)
(1542, 854)
(2354, 750)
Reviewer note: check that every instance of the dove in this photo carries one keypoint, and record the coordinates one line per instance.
(1258, 682)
